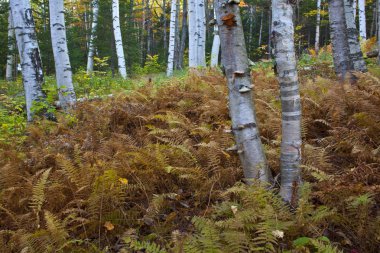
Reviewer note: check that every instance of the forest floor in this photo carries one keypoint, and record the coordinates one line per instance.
(148, 171)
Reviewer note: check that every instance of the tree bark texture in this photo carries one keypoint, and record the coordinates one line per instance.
(118, 39)
(9, 73)
(172, 38)
(91, 47)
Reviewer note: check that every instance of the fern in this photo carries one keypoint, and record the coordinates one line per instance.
(38, 195)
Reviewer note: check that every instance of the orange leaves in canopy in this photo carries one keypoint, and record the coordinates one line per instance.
(229, 20)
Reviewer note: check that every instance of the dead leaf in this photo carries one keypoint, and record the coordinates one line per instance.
(109, 226)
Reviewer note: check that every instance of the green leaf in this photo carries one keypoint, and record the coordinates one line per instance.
(302, 241)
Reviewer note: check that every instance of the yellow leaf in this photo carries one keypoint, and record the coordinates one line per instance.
(109, 226)
(123, 181)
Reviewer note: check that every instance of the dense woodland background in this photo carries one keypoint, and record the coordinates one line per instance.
(152, 162)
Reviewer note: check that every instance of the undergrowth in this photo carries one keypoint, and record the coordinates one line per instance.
(149, 171)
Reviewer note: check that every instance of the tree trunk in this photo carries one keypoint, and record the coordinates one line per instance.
(148, 23)
(91, 47)
(184, 35)
(242, 110)
(193, 35)
(356, 55)
(317, 32)
(261, 27)
(215, 45)
(378, 31)
(286, 65)
(63, 72)
(118, 39)
(172, 36)
(11, 47)
(339, 40)
(29, 52)
(165, 27)
(362, 20)
(270, 34)
(177, 37)
(201, 30)
(355, 7)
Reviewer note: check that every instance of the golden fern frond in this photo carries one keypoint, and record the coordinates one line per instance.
(38, 194)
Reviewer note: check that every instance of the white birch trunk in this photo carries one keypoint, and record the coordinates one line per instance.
(356, 55)
(118, 39)
(63, 71)
(362, 20)
(242, 110)
(317, 32)
(172, 38)
(91, 47)
(10, 57)
(201, 30)
(193, 35)
(29, 52)
(215, 45)
(261, 27)
(286, 65)
(355, 7)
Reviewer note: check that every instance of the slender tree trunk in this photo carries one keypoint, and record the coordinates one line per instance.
(148, 22)
(215, 45)
(172, 35)
(165, 27)
(378, 31)
(261, 27)
(339, 40)
(11, 47)
(29, 52)
(270, 34)
(356, 55)
(355, 7)
(184, 35)
(362, 20)
(193, 35)
(91, 47)
(177, 37)
(286, 65)
(317, 32)
(118, 39)
(61, 54)
(242, 110)
(201, 30)
(252, 12)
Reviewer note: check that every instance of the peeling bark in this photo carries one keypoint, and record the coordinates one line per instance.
(29, 52)
(318, 27)
(286, 66)
(242, 110)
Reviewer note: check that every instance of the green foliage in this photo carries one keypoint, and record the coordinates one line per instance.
(152, 66)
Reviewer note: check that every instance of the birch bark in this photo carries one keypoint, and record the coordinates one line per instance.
(193, 35)
(201, 30)
(283, 41)
(29, 52)
(356, 55)
(339, 40)
(118, 39)
(63, 71)
(215, 45)
(362, 20)
(91, 47)
(242, 110)
(11, 47)
(172, 38)
(317, 31)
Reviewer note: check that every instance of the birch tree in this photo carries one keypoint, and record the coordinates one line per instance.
(356, 55)
(91, 47)
(215, 45)
(118, 39)
(355, 7)
(197, 34)
(242, 110)
(362, 20)
(172, 38)
(318, 27)
(339, 38)
(63, 71)
(201, 31)
(184, 34)
(286, 65)
(9, 74)
(29, 52)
